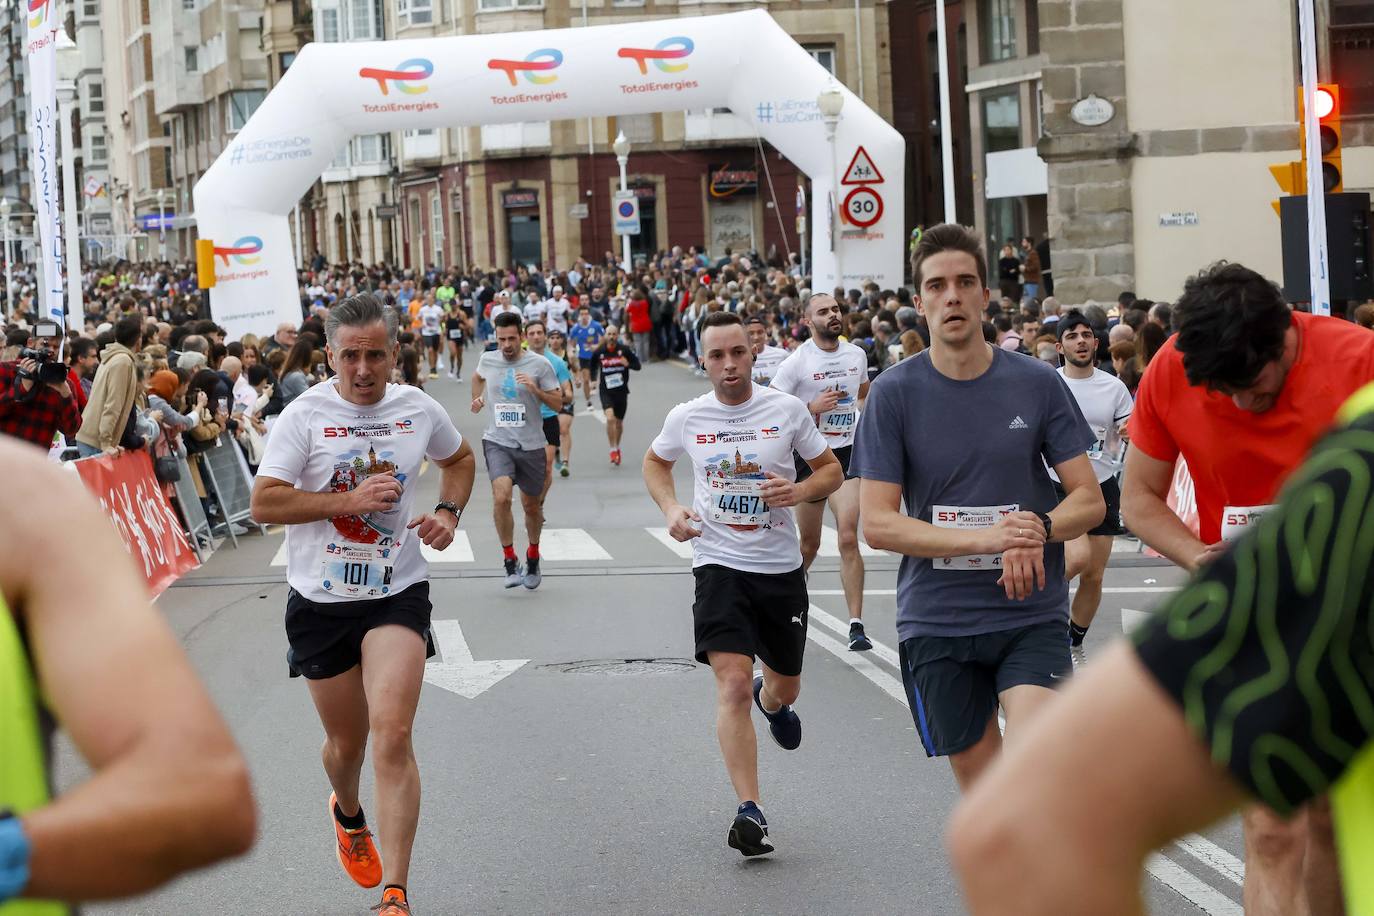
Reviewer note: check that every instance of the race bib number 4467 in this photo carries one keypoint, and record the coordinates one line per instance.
(738, 502)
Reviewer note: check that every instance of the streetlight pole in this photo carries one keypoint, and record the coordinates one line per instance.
(162, 223)
(9, 259)
(831, 103)
(622, 156)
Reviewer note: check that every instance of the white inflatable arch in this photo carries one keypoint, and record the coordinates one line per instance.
(336, 91)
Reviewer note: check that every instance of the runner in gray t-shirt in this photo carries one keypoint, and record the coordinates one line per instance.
(514, 382)
(961, 434)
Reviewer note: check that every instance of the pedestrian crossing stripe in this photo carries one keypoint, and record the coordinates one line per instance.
(577, 545)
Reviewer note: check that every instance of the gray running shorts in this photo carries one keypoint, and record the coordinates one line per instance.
(525, 468)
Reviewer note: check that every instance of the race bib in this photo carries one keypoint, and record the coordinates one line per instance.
(1236, 520)
(509, 416)
(353, 570)
(455, 334)
(1100, 445)
(966, 518)
(614, 381)
(838, 422)
(738, 502)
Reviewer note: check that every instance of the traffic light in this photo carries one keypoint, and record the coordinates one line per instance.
(1326, 102)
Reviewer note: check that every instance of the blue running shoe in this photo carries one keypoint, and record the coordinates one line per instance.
(749, 832)
(784, 725)
(858, 640)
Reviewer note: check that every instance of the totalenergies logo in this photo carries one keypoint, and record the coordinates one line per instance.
(409, 76)
(243, 251)
(38, 11)
(534, 64)
(669, 49)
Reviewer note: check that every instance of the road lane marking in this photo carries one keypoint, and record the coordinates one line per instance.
(880, 678)
(840, 628)
(570, 544)
(1214, 857)
(1191, 888)
(456, 671)
(682, 548)
(460, 551)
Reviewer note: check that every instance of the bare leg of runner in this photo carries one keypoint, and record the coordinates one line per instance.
(844, 503)
(534, 516)
(809, 517)
(1089, 594)
(565, 424)
(501, 492)
(734, 722)
(342, 705)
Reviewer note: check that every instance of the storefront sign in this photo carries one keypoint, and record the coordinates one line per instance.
(727, 180)
(513, 199)
(129, 493)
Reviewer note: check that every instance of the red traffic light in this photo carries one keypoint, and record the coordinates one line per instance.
(1323, 102)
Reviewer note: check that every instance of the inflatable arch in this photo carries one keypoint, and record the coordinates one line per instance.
(738, 60)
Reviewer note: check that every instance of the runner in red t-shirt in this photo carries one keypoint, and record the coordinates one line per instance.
(1242, 392)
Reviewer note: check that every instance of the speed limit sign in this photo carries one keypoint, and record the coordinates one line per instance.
(863, 207)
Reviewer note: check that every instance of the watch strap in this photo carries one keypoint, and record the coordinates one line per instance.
(14, 857)
(1048, 523)
(450, 507)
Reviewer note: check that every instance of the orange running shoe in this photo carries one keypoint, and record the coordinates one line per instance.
(357, 855)
(393, 903)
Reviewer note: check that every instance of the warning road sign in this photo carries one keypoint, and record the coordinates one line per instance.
(862, 170)
(863, 207)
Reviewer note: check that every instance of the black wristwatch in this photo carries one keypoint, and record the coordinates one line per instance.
(1048, 523)
(452, 507)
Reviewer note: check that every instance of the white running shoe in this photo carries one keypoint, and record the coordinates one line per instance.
(1079, 657)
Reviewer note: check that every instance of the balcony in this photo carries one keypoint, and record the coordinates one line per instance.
(519, 137)
(420, 146)
(714, 125)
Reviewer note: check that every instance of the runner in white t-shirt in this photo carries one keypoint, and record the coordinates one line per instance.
(432, 332)
(831, 377)
(534, 309)
(339, 472)
(1106, 405)
(767, 358)
(750, 586)
(556, 311)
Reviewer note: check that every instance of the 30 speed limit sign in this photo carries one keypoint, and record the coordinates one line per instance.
(863, 207)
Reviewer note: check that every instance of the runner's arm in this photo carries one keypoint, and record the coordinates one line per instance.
(887, 527)
(1082, 788)
(459, 471)
(826, 477)
(276, 502)
(170, 790)
(1083, 507)
(1144, 487)
(658, 477)
(552, 398)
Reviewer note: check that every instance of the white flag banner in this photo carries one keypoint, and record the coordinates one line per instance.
(41, 53)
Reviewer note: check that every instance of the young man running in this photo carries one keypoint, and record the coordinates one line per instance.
(750, 587)
(767, 358)
(1241, 393)
(431, 332)
(1106, 404)
(613, 363)
(586, 335)
(513, 442)
(556, 311)
(457, 329)
(958, 434)
(340, 472)
(558, 346)
(831, 378)
(537, 342)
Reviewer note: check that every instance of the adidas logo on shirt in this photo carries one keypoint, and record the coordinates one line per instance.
(1018, 423)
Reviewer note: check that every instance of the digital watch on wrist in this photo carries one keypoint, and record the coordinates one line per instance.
(14, 857)
(451, 507)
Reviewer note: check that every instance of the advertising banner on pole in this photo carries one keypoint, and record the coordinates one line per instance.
(41, 54)
(131, 496)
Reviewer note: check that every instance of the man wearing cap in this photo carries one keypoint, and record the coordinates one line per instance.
(1106, 404)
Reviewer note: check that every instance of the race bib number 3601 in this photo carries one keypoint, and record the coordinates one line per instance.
(509, 416)
(969, 518)
(738, 502)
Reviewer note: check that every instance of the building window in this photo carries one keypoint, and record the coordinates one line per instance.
(997, 22)
(95, 146)
(1001, 122)
(287, 58)
(488, 6)
(436, 227)
(415, 12)
(329, 25)
(95, 97)
(366, 22)
(90, 9)
(192, 60)
(242, 104)
(188, 4)
(823, 55)
(637, 128)
(627, 2)
(1352, 54)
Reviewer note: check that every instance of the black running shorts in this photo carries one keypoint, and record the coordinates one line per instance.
(551, 431)
(616, 401)
(842, 453)
(1111, 494)
(326, 639)
(752, 614)
(953, 682)
(432, 340)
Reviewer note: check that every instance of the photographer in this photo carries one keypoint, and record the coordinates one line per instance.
(36, 398)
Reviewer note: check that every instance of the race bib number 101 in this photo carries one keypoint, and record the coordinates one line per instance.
(358, 570)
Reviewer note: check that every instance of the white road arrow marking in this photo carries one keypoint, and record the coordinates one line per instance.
(457, 672)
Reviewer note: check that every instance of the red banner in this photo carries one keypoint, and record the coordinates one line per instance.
(129, 493)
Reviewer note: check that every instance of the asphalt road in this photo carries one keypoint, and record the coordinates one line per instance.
(585, 777)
